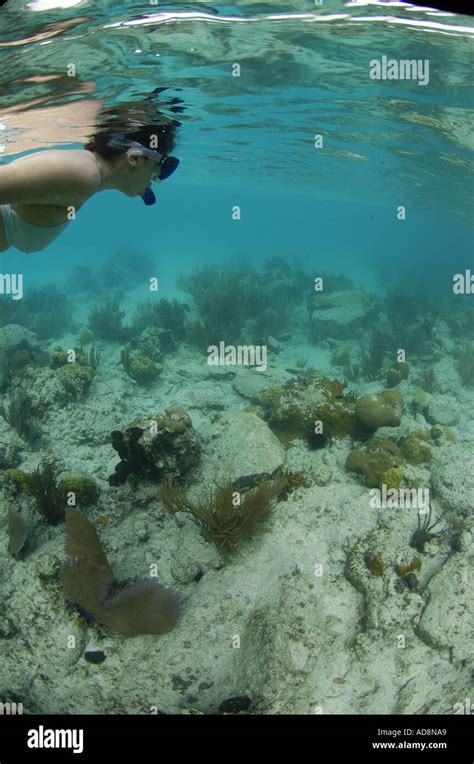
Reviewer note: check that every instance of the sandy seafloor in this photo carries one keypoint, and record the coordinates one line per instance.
(297, 623)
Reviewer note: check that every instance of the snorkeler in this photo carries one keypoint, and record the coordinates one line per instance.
(41, 192)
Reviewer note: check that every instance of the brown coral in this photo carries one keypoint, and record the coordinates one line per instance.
(379, 456)
(156, 447)
(382, 410)
(295, 410)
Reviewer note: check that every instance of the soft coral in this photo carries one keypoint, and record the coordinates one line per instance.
(144, 608)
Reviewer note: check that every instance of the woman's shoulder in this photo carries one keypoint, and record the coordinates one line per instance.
(78, 161)
(55, 176)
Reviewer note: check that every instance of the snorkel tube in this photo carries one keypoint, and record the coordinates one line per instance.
(148, 196)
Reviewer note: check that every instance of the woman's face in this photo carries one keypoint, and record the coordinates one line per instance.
(141, 171)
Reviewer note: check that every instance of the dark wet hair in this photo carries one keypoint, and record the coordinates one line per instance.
(148, 135)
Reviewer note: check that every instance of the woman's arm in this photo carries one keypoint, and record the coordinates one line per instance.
(47, 178)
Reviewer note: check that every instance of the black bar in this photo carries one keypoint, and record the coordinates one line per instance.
(449, 738)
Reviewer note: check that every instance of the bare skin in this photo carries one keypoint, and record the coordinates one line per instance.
(43, 187)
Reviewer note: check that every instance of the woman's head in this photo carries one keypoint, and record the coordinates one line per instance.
(131, 156)
(133, 139)
(161, 137)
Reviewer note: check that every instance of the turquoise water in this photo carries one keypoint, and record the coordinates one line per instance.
(305, 212)
(249, 139)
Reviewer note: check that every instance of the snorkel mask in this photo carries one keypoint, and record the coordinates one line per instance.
(166, 164)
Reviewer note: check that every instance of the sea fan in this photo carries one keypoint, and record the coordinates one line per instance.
(145, 608)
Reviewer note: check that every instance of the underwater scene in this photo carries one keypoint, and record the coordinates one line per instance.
(236, 358)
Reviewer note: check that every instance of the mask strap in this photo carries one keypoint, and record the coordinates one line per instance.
(120, 142)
